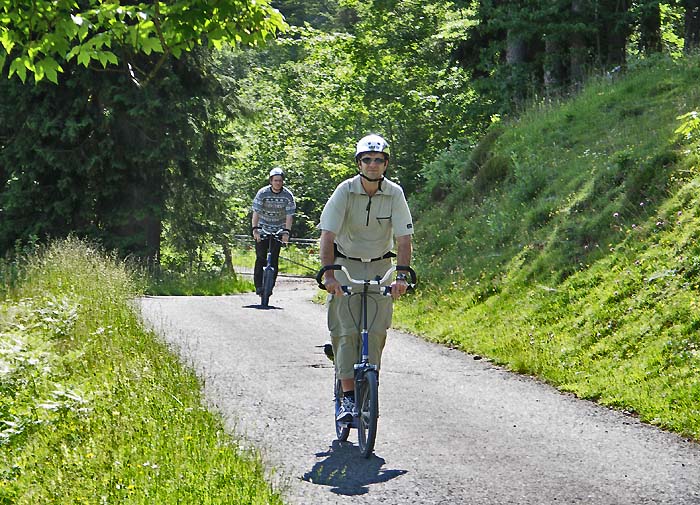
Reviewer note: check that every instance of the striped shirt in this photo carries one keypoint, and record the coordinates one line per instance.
(273, 208)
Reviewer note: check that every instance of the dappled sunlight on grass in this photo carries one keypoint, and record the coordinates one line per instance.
(96, 410)
(581, 266)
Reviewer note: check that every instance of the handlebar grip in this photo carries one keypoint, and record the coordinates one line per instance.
(319, 275)
(273, 236)
(411, 273)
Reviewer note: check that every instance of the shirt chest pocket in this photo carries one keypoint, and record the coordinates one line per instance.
(383, 215)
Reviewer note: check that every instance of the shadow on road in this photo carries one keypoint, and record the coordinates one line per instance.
(347, 472)
(260, 307)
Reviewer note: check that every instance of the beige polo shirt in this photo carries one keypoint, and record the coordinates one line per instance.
(365, 226)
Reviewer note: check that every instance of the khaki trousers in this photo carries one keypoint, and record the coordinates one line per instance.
(345, 321)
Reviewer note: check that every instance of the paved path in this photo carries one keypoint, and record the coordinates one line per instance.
(453, 430)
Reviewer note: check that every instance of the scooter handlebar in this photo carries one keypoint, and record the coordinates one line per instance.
(376, 282)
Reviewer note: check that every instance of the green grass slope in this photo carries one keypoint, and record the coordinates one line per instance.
(565, 245)
(93, 408)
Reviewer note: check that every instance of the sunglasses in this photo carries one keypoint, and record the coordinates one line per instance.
(368, 160)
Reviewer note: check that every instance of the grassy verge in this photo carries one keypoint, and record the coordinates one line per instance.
(294, 260)
(623, 332)
(196, 284)
(96, 410)
(570, 252)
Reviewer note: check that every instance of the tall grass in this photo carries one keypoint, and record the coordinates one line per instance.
(93, 409)
(579, 265)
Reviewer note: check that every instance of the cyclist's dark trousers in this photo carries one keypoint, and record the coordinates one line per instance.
(261, 259)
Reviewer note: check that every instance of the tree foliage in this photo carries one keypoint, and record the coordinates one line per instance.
(180, 159)
(518, 49)
(415, 95)
(41, 36)
(426, 75)
(101, 157)
(302, 108)
(313, 94)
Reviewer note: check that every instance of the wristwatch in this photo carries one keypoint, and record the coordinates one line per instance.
(401, 277)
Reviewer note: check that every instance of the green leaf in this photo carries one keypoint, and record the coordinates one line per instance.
(83, 31)
(690, 124)
(18, 66)
(38, 71)
(106, 57)
(51, 69)
(6, 40)
(84, 58)
(151, 44)
(73, 52)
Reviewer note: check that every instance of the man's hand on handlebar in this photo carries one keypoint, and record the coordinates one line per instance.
(282, 235)
(398, 288)
(333, 286)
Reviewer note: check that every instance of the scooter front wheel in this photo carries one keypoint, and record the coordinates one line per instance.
(367, 395)
(268, 281)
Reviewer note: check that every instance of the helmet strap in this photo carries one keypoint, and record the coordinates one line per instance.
(380, 179)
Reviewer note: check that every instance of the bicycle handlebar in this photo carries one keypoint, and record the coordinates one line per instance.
(276, 235)
(368, 282)
(281, 231)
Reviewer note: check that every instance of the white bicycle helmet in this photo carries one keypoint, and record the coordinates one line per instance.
(276, 171)
(372, 143)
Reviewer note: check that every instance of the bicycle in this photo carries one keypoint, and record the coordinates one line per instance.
(268, 280)
(366, 412)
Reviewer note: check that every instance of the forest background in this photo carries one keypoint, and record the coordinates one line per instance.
(159, 157)
(549, 151)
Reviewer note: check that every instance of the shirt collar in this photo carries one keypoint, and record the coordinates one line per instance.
(356, 185)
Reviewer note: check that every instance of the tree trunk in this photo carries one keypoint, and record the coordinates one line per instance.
(577, 47)
(615, 30)
(516, 49)
(516, 55)
(692, 25)
(553, 66)
(154, 229)
(228, 259)
(650, 28)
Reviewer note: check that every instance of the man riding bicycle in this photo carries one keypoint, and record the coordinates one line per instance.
(273, 210)
(358, 226)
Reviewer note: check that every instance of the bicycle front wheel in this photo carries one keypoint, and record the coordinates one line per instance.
(268, 281)
(367, 395)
